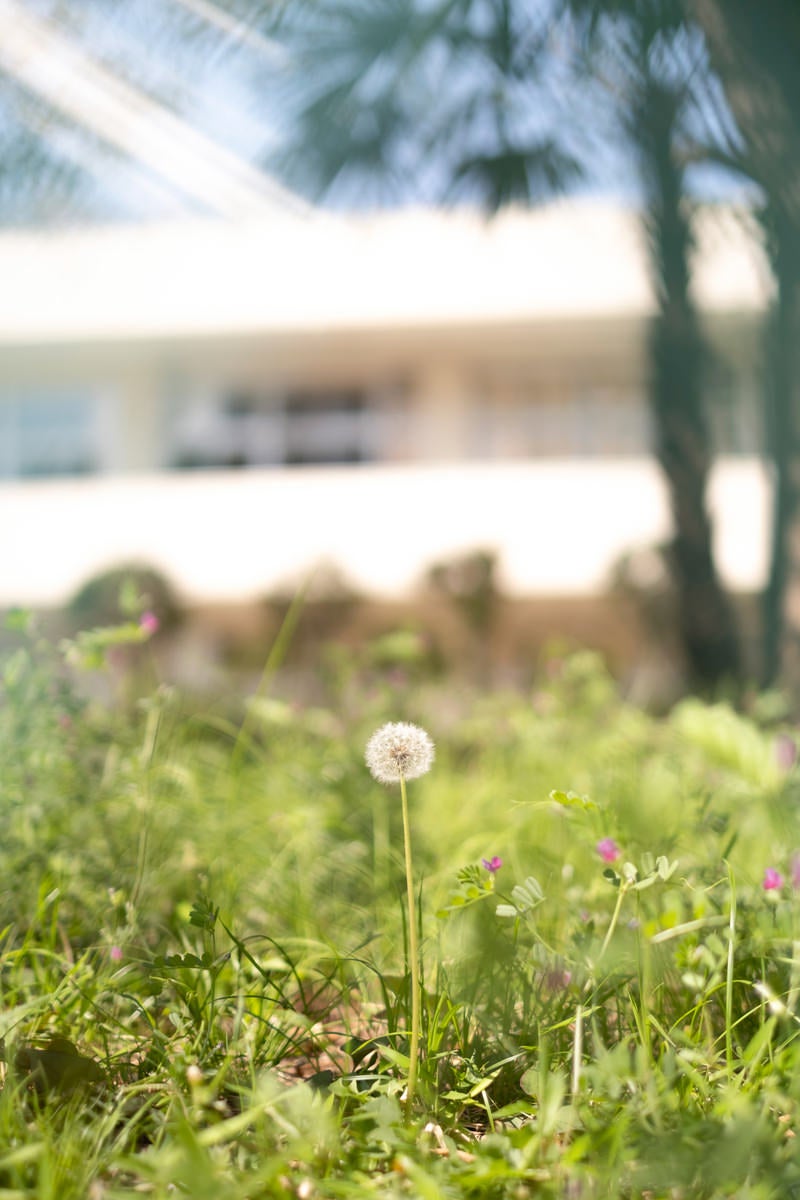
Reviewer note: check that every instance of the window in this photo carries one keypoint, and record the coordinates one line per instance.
(247, 429)
(548, 420)
(241, 430)
(46, 434)
(325, 427)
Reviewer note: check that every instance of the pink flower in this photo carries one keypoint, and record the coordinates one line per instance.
(608, 850)
(773, 880)
(492, 864)
(115, 954)
(785, 751)
(555, 980)
(796, 871)
(149, 622)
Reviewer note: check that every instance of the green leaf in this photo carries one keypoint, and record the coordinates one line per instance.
(14, 668)
(665, 868)
(527, 895)
(473, 887)
(57, 1066)
(204, 914)
(530, 1081)
(18, 620)
(131, 603)
(573, 800)
(183, 960)
(88, 650)
(629, 873)
(759, 1045)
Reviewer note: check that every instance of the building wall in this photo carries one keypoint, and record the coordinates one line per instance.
(557, 526)
(485, 392)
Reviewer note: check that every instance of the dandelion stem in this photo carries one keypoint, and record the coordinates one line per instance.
(413, 955)
(397, 752)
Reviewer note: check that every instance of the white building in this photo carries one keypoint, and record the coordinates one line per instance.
(133, 356)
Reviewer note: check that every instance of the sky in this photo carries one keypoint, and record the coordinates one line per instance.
(225, 82)
(192, 70)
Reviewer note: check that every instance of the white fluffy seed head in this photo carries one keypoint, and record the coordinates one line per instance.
(399, 750)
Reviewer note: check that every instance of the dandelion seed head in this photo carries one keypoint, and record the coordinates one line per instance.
(399, 750)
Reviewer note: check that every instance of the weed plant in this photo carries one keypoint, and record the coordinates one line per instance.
(204, 946)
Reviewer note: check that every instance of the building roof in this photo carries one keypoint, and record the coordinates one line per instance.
(301, 272)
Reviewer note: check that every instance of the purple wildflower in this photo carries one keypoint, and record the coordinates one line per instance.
(773, 880)
(492, 864)
(149, 622)
(608, 849)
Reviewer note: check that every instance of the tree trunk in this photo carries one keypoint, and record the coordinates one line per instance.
(677, 362)
(706, 624)
(755, 49)
(781, 599)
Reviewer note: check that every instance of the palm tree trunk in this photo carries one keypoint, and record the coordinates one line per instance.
(706, 624)
(781, 599)
(755, 50)
(677, 364)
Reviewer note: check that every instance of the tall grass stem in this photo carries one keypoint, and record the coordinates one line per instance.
(729, 975)
(577, 1052)
(277, 653)
(614, 919)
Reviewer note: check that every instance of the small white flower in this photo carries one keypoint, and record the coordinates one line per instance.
(399, 750)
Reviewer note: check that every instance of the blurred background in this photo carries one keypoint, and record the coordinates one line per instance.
(472, 321)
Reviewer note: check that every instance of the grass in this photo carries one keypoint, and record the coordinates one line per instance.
(204, 965)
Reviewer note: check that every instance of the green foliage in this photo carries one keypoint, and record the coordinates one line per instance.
(729, 739)
(204, 965)
(525, 897)
(473, 885)
(124, 592)
(375, 87)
